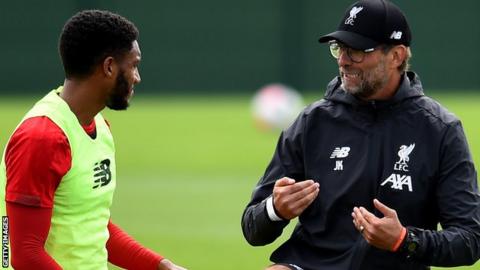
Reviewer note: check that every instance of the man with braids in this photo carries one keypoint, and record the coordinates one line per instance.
(58, 169)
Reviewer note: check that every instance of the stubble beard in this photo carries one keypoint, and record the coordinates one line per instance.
(119, 98)
(371, 81)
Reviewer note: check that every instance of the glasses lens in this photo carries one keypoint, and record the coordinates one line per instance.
(356, 55)
(334, 49)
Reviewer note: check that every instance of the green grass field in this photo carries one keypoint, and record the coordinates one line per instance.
(186, 169)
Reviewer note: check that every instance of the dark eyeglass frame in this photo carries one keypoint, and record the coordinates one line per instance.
(356, 56)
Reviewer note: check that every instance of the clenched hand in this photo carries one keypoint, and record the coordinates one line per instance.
(291, 198)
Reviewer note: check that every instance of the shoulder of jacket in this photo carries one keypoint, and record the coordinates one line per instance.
(435, 111)
(321, 104)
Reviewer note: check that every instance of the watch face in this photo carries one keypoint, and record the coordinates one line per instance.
(412, 247)
(411, 243)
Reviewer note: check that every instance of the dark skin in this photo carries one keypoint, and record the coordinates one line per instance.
(291, 197)
(88, 96)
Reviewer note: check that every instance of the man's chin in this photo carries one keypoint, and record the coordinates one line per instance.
(118, 106)
(350, 89)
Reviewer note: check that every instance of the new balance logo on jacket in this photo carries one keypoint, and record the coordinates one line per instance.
(339, 152)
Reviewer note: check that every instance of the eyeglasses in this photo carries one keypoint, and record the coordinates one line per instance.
(354, 55)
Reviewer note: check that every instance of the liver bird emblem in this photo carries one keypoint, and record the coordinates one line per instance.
(353, 15)
(404, 152)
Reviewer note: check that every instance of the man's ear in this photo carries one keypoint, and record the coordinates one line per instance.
(110, 67)
(398, 54)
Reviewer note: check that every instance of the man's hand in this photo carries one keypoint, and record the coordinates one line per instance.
(383, 232)
(291, 198)
(166, 264)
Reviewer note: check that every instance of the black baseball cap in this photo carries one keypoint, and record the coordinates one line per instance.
(369, 23)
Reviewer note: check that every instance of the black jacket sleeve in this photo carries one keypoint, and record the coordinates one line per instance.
(287, 161)
(458, 202)
(257, 227)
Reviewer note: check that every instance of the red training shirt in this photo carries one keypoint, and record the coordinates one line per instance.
(37, 157)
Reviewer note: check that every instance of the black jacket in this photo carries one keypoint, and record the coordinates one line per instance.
(409, 152)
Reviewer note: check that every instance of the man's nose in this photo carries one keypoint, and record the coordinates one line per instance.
(343, 58)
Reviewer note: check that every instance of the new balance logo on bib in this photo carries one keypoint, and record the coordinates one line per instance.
(102, 173)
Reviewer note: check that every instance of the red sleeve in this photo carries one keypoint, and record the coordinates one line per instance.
(125, 252)
(29, 228)
(37, 157)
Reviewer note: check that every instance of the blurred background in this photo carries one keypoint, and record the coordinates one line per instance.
(236, 46)
(189, 152)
